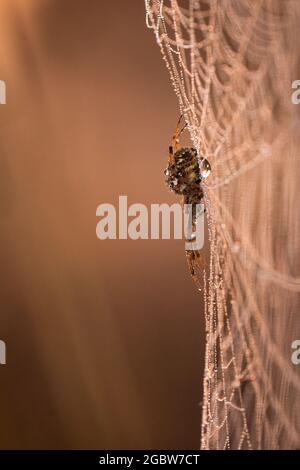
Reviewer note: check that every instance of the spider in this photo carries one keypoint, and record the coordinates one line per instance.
(183, 176)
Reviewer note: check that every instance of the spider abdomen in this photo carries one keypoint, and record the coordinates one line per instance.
(183, 174)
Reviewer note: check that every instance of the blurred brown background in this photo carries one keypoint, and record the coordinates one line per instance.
(104, 338)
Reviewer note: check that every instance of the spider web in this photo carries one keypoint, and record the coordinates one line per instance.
(232, 63)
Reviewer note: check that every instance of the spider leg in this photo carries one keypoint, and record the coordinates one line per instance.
(171, 155)
(175, 139)
(195, 268)
(177, 133)
(194, 258)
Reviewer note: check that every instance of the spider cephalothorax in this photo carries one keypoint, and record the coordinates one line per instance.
(183, 175)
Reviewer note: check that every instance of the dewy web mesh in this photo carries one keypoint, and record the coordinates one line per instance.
(232, 64)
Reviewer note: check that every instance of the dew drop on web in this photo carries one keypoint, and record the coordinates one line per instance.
(205, 168)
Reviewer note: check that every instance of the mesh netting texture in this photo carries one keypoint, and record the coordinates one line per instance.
(232, 64)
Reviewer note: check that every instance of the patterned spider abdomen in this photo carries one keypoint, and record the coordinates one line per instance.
(182, 175)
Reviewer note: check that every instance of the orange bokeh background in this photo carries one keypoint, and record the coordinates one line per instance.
(104, 338)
